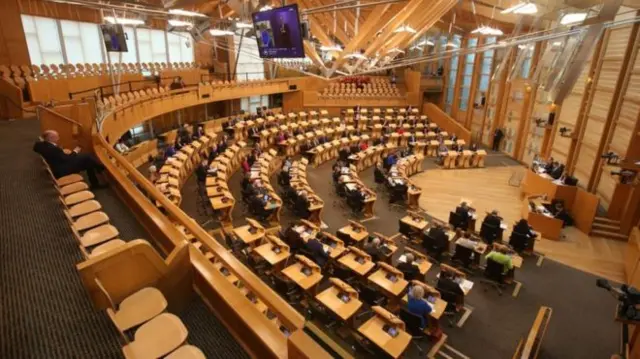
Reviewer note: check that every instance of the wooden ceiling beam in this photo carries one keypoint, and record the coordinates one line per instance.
(425, 25)
(315, 27)
(384, 14)
(310, 51)
(326, 18)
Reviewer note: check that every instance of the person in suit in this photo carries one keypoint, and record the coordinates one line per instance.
(463, 211)
(63, 164)
(446, 283)
(493, 219)
(317, 250)
(549, 165)
(560, 212)
(497, 137)
(201, 171)
(441, 241)
(373, 249)
(557, 171)
(410, 271)
(523, 227)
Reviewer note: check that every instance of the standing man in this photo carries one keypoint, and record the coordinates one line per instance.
(497, 137)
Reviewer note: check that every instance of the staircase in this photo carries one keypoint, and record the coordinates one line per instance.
(607, 228)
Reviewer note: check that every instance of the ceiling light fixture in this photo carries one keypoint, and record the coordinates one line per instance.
(405, 28)
(218, 32)
(356, 55)
(266, 8)
(179, 23)
(334, 48)
(574, 17)
(487, 30)
(185, 13)
(425, 43)
(525, 8)
(243, 25)
(123, 21)
(395, 50)
(451, 44)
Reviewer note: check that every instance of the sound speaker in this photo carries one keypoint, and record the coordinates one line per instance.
(304, 27)
(552, 117)
(293, 87)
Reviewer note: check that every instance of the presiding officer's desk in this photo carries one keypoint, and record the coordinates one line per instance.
(540, 219)
(538, 184)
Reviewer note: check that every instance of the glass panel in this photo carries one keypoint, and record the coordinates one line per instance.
(466, 81)
(484, 83)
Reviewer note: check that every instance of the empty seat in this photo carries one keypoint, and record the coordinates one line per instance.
(84, 208)
(96, 235)
(103, 248)
(78, 197)
(73, 188)
(138, 308)
(156, 338)
(89, 221)
(186, 352)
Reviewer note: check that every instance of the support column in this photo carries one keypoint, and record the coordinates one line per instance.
(13, 43)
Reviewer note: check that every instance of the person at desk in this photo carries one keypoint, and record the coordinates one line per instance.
(121, 147)
(318, 254)
(557, 171)
(493, 219)
(473, 147)
(344, 153)
(201, 172)
(409, 270)
(417, 305)
(170, 151)
(246, 167)
(302, 204)
(466, 241)
(523, 227)
(440, 239)
(464, 211)
(442, 152)
(549, 165)
(373, 249)
(500, 256)
(448, 284)
(560, 212)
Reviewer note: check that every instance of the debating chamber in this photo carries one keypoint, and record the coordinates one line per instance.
(311, 179)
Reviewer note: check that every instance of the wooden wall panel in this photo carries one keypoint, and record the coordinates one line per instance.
(512, 120)
(599, 107)
(476, 125)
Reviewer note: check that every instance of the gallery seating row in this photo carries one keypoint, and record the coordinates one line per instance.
(220, 171)
(298, 182)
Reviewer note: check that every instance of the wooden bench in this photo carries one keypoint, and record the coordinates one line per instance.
(529, 347)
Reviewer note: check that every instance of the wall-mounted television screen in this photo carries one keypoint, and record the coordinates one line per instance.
(115, 39)
(278, 32)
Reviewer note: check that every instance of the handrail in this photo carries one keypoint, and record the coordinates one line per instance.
(289, 316)
(59, 115)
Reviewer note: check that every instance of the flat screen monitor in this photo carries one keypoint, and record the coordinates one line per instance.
(278, 32)
(115, 39)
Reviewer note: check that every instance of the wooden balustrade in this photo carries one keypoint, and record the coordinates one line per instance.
(445, 122)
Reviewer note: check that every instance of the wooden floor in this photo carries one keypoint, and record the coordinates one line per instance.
(488, 188)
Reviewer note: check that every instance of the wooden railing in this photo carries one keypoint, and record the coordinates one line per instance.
(529, 347)
(11, 102)
(445, 122)
(251, 328)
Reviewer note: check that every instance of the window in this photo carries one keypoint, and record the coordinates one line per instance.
(130, 56)
(251, 104)
(180, 47)
(43, 40)
(453, 72)
(250, 65)
(82, 42)
(467, 75)
(151, 45)
(485, 69)
(526, 63)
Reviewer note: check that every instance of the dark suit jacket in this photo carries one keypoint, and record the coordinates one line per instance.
(462, 212)
(449, 285)
(492, 220)
(61, 163)
(439, 236)
(410, 271)
(316, 248)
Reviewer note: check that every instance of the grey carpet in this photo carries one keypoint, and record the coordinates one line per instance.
(44, 309)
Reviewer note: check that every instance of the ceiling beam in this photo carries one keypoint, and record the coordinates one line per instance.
(425, 25)
(384, 14)
(316, 28)
(311, 52)
(326, 18)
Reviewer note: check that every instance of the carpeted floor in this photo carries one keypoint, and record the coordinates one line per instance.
(44, 309)
(581, 325)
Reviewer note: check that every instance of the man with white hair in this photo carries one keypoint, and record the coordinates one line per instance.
(373, 249)
(63, 164)
(417, 305)
(409, 270)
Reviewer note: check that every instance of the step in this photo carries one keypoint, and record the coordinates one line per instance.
(606, 227)
(605, 220)
(610, 235)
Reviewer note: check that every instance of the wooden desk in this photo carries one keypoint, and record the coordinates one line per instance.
(535, 184)
(478, 159)
(350, 230)
(225, 208)
(247, 237)
(516, 259)
(349, 260)
(548, 226)
(331, 298)
(418, 224)
(373, 330)
(333, 245)
(294, 272)
(465, 284)
(269, 250)
(383, 279)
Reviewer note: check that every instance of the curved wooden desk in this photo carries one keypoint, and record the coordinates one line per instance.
(548, 226)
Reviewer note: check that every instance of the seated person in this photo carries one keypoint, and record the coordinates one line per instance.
(121, 147)
(440, 239)
(170, 151)
(560, 212)
(153, 174)
(447, 284)
(409, 270)
(246, 167)
(373, 249)
(302, 204)
(319, 255)
(523, 227)
(466, 241)
(503, 258)
(557, 171)
(63, 164)
(463, 210)
(493, 219)
(550, 165)
(417, 305)
(201, 171)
